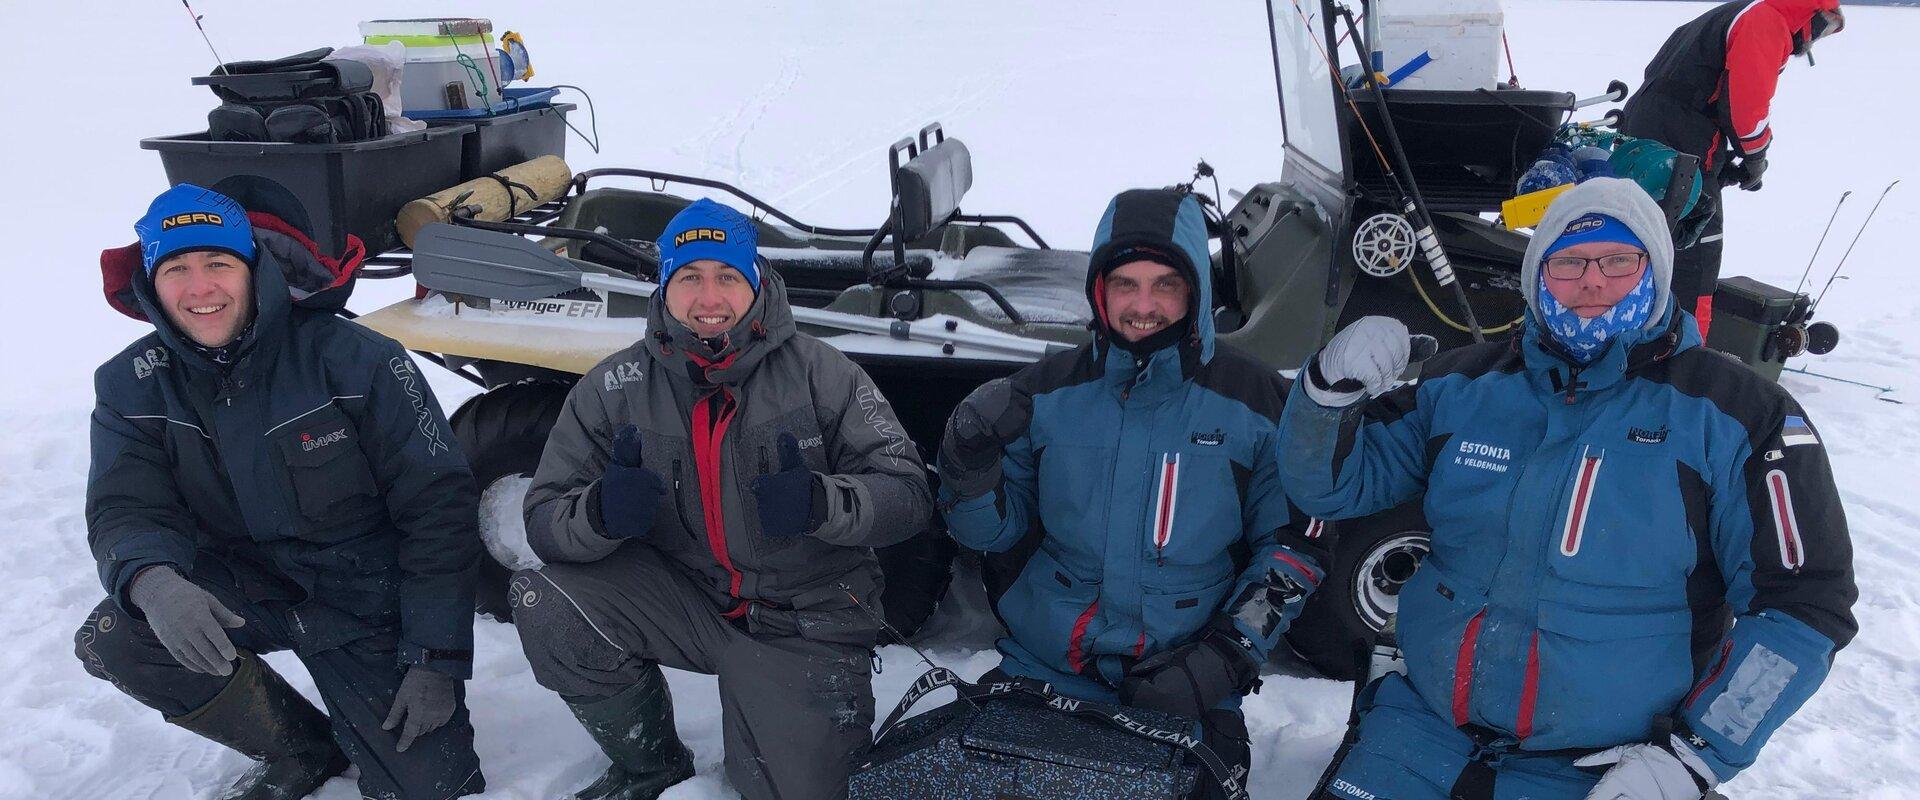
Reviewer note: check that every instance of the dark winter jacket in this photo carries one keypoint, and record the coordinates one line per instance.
(709, 425)
(1593, 530)
(1145, 488)
(1713, 80)
(317, 473)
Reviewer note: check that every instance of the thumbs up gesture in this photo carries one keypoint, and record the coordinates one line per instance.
(629, 493)
(1364, 359)
(791, 501)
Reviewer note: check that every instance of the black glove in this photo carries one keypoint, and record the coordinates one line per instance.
(1745, 174)
(189, 622)
(791, 501)
(628, 493)
(1194, 677)
(426, 700)
(977, 436)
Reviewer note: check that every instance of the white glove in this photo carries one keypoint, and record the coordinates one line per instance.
(1650, 772)
(1363, 359)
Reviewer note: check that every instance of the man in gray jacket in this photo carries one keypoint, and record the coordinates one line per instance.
(709, 500)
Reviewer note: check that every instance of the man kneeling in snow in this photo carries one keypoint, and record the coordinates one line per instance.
(709, 500)
(1137, 473)
(1606, 495)
(268, 476)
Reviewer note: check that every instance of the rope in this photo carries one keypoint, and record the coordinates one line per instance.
(593, 118)
(1513, 77)
(479, 78)
(1442, 315)
(467, 61)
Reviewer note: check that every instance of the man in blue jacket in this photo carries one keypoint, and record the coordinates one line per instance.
(1139, 473)
(267, 476)
(1640, 564)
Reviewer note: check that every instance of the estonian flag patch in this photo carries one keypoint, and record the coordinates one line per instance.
(1796, 431)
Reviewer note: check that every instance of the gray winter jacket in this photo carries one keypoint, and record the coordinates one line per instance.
(709, 422)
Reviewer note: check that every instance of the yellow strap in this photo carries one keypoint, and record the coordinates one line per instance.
(424, 40)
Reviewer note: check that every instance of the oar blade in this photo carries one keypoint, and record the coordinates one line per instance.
(502, 266)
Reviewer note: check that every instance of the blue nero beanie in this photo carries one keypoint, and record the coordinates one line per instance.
(1587, 339)
(1590, 228)
(709, 230)
(187, 218)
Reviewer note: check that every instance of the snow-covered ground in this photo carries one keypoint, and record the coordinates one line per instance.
(1062, 105)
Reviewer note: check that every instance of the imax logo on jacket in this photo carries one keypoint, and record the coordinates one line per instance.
(871, 405)
(310, 442)
(410, 383)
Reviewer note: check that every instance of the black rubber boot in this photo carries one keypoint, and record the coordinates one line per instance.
(261, 716)
(635, 728)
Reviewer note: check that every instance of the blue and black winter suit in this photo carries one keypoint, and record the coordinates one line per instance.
(1144, 486)
(1594, 532)
(314, 488)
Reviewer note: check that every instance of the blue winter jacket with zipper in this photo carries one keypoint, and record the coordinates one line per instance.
(1594, 531)
(1145, 487)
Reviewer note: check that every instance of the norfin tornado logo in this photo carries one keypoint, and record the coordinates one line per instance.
(410, 382)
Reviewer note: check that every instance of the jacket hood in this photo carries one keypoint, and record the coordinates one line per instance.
(1620, 199)
(767, 325)
(1167, 220)
(287, 270)
(313, 280)
(1799, 13)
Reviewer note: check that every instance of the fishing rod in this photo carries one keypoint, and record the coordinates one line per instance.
(898, 637)
(1856, 240)
(1413, 204)
(1881, 392)
(1823, 240)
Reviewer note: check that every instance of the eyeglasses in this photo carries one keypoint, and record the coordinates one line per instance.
(1617, 265)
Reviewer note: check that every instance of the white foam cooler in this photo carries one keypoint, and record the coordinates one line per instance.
(1462, 37)
(434, 48)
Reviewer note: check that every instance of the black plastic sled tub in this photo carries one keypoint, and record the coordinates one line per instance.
(503, 140)
(349, 188)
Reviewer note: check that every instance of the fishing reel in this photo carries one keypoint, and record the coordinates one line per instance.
(1799, 334)
(1383, 245)
(1790, 340)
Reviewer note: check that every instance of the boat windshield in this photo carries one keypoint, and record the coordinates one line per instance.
(1307, 111)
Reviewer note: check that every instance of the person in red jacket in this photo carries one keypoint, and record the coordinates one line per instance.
(1707, 93)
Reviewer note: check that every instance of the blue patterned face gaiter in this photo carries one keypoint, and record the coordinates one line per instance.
(1586, 339)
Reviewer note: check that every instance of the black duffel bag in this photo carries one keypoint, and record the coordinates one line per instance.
(1020, 739)
(304, 98)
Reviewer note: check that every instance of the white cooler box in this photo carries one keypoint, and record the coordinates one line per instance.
(1462, 37)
